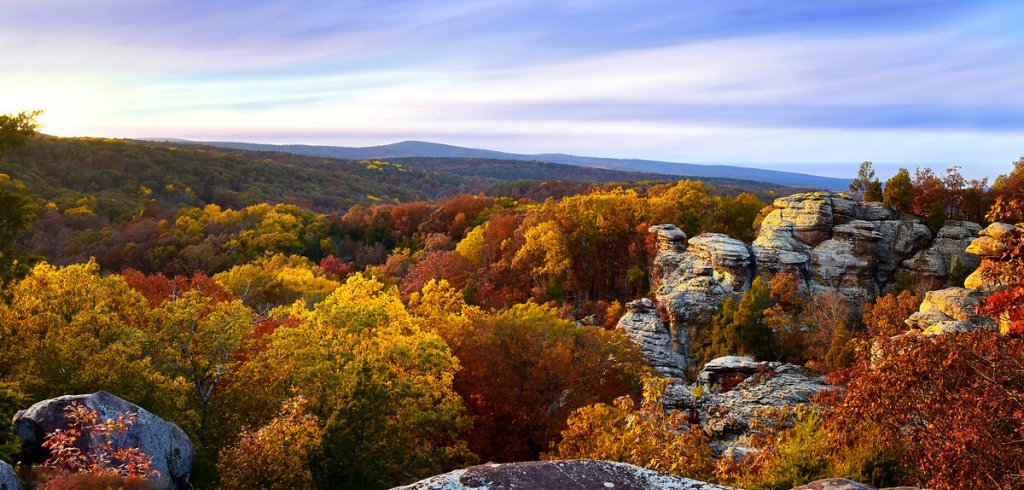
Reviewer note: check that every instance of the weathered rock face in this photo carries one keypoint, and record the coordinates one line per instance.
(857, 248)
(733, 388)
(989, 247)
(8, 478)
(691, 279)
(644, 326)
(729, 259)
(956, 309)
(170, 449)
(558, 475)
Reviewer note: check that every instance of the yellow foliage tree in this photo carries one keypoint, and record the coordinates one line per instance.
(646, 436)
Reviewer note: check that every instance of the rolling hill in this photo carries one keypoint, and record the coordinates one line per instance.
(406, 149)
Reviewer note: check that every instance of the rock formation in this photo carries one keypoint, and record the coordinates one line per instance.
(729, 390)
(8, 478)
(558, 475)
(856, 248)
(644, 326)
(170, 449)
(956, 309)
(692, 278)
(833, 243)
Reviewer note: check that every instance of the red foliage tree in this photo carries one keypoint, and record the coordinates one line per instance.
(951, 406)
(157, 287)
(105, 459)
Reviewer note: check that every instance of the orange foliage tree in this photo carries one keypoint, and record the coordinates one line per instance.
(105, 459)
(275, 455)
(646, 436)
(886, 315)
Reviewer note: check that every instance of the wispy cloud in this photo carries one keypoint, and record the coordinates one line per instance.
(769, 83)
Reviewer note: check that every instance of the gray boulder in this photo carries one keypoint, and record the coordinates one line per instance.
(644, 326)
(8, 478)
(170, 449)
(577, 474)
(835, 484)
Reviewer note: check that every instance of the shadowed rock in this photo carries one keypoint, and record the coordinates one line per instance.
(170, 449)
(8, 478)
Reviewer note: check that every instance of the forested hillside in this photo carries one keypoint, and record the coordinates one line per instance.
(321, 323)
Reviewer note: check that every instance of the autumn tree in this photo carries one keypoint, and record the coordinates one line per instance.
(380, 384)
(276, 455)
(885, 316)
(201, 336)
(526, 370)
(70, 330)
(646, 435)
(17, 213)
(1008, 195)
(866, 184)
(898, 192)
(950, 406)
(105, 458)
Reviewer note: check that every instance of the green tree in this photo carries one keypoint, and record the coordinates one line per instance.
(739, 328)
(867, 184)
(899, 192)
(17, 213)
(16, 129)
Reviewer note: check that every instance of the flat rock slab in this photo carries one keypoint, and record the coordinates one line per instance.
(559, 475)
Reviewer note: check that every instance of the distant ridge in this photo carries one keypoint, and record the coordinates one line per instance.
(406, 149)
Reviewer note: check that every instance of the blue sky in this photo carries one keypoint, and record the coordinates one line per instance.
(813, 86)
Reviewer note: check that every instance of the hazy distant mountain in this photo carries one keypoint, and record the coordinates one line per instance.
(427, 149)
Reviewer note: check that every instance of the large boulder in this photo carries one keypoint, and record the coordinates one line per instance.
(170, 449)
(835, 484)
(644, 326)
(729, 259)
(989, 247)
(577, 474)
(950, 310)
(8, 478)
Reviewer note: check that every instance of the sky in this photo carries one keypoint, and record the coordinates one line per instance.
(812, 86)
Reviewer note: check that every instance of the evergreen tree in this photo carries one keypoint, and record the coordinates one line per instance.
(867, 184)
(899, 192)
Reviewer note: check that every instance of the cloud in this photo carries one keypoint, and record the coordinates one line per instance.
(798, 83)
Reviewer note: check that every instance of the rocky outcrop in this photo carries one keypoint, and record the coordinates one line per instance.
(856, 248)
(691, 278)
(8, 478)
(644, 326)
(956, 309)
(170, 449)
(989, 248)
(833, 242)
(558, 475)
(730, 390)
(949, 310)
